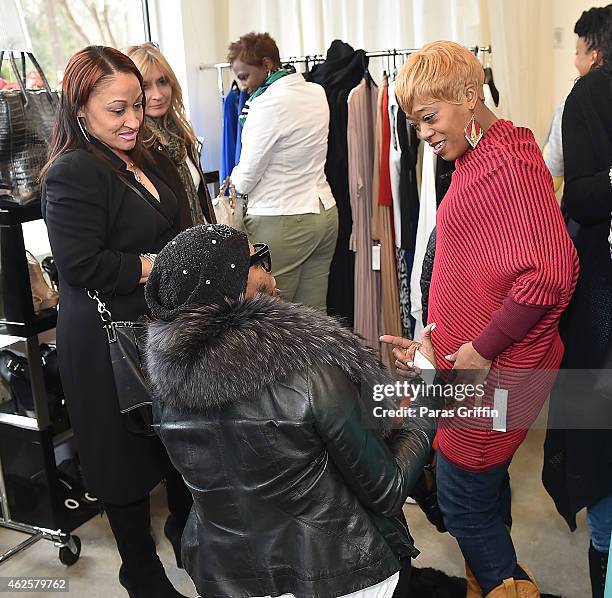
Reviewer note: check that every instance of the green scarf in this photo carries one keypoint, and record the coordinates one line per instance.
(274, 76)
(169, 137)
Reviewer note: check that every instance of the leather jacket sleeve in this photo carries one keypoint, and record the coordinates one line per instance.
(381, 474)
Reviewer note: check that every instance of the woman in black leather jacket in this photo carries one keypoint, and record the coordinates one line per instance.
(262, 406)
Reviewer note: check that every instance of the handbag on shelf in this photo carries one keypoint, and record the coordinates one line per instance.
(43, 296)
(26, 122)
(15, 373)
(126, 345)
(230, 209)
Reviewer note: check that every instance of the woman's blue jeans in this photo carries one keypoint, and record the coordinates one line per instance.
(599, 518)
(476, 510)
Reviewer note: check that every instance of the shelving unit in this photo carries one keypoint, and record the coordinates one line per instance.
(29, 483)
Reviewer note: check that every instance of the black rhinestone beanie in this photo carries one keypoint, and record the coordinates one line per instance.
(200, 266)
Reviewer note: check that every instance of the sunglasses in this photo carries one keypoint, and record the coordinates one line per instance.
(262, 256)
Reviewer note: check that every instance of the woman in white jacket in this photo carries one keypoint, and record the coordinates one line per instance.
(284, 148)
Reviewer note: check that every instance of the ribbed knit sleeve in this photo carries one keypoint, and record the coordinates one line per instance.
(509, 324)
(541, 238)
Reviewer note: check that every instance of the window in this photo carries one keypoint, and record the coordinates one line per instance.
(58, 28)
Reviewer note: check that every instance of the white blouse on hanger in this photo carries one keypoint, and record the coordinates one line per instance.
(427, 221)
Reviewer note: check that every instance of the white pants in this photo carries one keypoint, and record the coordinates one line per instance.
(384, 589)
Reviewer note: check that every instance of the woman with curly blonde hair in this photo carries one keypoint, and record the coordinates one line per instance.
(169, 132)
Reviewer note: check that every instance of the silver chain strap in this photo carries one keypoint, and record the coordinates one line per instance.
(105, 315)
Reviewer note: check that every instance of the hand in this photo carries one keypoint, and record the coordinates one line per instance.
(146, 266)
(404, 350)
(467, 358)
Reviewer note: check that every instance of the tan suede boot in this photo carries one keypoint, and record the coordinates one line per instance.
(473, 587)
(43, 296)
(516, 588)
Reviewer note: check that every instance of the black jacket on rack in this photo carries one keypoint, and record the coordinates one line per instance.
(98, 226)
(409, 194)
(578, 462)
(444, 175)
(342, 71)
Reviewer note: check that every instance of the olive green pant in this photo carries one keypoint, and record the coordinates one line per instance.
(301, 247)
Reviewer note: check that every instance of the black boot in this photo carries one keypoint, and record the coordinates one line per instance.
(156, 587)
(180, 502)
(142, 573)
(598, 564)
(174, 532)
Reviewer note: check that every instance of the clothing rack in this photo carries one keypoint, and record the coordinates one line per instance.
(316, 58)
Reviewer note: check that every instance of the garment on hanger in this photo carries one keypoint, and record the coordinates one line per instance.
(409, 214)
(242, 99)
(395, 158)
(232, 130)
(444, 173)
(361, 144)
(490, 86)
(408, 188)
(404, 259)
(426, 272)
(339, 74)
(489, 99)
(383, 209)
(427, 221)
(385, 193)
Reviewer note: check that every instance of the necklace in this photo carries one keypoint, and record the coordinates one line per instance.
(136, 173)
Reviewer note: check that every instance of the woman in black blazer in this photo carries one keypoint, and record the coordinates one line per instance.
(107, 214)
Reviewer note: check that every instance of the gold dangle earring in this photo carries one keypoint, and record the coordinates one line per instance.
(473, 132)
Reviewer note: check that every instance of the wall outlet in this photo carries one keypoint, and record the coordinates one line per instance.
(558, 37)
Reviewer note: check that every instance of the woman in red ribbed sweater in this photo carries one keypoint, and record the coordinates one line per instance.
(504, 271)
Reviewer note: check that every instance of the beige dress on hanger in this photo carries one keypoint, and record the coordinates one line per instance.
(390, 322)
(361, 147)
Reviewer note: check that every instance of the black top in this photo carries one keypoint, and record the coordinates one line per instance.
(587, 151)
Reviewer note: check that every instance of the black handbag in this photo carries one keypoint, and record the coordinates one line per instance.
(15, 373)
(26, 123)
(126, 345)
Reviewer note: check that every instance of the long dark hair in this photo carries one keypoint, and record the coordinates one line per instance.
(85, 70)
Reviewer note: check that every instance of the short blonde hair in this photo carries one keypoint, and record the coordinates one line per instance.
(439, 71)
(148, 54)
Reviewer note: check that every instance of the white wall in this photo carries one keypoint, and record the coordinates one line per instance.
(564, 16)
(533, 75)
(192, 33)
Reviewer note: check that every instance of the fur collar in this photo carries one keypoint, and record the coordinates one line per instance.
(209, 356)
